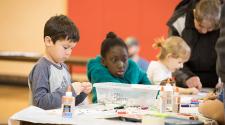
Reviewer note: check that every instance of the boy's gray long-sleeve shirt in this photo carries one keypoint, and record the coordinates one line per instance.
(49, 83)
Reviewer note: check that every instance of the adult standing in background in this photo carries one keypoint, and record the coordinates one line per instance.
(133, 50)
(197, 22)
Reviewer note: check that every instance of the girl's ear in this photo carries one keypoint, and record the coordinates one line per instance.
(169, 55)
(103, 61)
(48, 41)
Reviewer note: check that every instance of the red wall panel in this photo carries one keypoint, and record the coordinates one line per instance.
(143, 19)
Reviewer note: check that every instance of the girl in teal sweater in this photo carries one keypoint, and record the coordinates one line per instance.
(114, 66)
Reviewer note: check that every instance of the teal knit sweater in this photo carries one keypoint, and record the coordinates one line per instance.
(98, 73)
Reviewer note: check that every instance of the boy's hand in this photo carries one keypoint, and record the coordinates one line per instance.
(78, 88)
(87, 87)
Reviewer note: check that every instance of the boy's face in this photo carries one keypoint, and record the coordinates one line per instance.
(174, 63)
(60, 51)
(116, 60)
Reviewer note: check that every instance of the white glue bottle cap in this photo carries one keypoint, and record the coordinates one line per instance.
(68, 91)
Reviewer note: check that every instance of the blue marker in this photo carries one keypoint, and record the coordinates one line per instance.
(185, 105)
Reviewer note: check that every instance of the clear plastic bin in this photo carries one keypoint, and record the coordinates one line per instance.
(126, 94)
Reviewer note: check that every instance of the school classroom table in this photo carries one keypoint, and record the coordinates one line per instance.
(93, 114)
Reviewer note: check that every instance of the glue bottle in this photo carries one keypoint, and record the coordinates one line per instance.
(169, 96)
(176, 101)
(68, 103)
(163, 100)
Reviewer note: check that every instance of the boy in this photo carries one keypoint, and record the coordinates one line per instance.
(50, 78)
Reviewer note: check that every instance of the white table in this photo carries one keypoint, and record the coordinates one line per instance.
(84, 115)
(87, 115)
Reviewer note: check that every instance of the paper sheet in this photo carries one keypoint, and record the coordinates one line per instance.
(86, 115)
(37, 115)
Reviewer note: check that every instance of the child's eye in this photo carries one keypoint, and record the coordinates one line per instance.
(124, 60)
(65, 47)
(114, 60)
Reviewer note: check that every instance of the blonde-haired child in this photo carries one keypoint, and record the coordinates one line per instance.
(173, 53)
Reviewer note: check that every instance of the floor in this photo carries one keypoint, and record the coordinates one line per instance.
(12, 99)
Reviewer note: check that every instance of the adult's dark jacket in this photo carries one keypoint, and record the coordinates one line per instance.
(202, 62)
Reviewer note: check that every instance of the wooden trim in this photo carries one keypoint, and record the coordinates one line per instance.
(10, 57)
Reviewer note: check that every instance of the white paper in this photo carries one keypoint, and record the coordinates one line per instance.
(84, 115)
(37, 115)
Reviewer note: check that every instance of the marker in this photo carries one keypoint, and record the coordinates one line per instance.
(119, 107)
(194, 102)
(157, 94)
(189, 105)
(184, 105)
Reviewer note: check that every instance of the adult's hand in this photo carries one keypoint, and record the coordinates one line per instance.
(194, 82)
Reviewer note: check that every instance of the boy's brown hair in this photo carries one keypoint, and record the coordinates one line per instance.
(61, 27)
